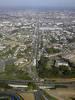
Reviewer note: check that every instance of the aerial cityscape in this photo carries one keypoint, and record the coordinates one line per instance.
(37, 53)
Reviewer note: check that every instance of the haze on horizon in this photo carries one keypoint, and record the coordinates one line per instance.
(37, 3)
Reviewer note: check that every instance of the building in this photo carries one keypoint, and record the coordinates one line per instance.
(60, 62)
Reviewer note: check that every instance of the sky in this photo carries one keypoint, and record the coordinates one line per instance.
(37, 3)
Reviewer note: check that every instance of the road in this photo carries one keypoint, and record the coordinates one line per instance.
(39, 94)
(71, 83)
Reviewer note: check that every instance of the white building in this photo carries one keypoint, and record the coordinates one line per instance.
(59, 63)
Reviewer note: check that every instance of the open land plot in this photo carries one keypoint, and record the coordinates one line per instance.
(62, 94)
(28, 96)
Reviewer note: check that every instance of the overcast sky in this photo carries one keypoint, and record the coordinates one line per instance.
(38, 3)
